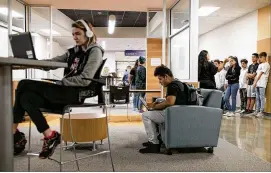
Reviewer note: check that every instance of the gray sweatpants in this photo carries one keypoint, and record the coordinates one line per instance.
(150, 120)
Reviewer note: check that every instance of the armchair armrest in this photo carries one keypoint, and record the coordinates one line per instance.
(192, 126)
(99, 81)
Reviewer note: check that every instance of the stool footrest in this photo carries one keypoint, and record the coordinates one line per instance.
(80, 158)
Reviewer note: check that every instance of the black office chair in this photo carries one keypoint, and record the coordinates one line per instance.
(94, 89)
(119, 95)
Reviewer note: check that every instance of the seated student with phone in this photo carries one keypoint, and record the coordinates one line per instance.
(176, 95)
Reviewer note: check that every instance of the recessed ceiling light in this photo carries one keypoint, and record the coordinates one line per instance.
(207, 10)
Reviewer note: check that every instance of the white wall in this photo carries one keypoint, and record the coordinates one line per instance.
(237, 38)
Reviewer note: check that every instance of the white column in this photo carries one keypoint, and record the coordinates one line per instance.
(164, 32)
(9, 25)
(194, 30)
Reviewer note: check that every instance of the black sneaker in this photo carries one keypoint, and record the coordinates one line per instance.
(152, 148)
(49, 145)
(19, 142)
(145, 144)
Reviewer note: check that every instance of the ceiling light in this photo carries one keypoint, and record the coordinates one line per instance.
(111, 24)
(15, 14)
(47, 31)
(207, 10)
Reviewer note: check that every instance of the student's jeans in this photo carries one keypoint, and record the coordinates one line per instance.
(139, 103)
(260, 99)
(31, 95)
(135, 98)
(150, 120)
(243, 98)
(231, 91)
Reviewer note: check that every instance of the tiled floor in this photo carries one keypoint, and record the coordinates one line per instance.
(251, 134)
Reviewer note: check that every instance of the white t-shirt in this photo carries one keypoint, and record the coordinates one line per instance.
(243, 78)
(265, 68)
(220, 78)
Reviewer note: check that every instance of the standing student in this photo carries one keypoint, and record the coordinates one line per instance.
(140, 81)
(251, 74)
(260, 84)
(220, 75)
(125, 78)
(243, 85)
(206, 71)
(232, 76)
(132, 78)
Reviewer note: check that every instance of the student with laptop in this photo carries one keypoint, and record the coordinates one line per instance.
(83, 61)
(175, 96)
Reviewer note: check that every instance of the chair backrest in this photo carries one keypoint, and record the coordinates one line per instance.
(99, 71)
(119, 94)
(212, 98)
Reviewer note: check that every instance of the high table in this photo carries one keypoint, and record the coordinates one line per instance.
(6, 118)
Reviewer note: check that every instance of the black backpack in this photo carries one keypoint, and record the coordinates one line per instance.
(191, 91)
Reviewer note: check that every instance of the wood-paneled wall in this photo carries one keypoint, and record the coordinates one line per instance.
(154, 50)
(264, 45)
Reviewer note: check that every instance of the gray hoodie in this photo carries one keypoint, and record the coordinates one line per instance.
(95, 59)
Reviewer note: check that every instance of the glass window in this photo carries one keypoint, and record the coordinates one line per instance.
(179, 55)
(179, 16)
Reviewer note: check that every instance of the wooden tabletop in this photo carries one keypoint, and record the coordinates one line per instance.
(85, 116)
(20, 62)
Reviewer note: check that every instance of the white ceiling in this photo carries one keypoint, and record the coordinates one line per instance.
(229, 11)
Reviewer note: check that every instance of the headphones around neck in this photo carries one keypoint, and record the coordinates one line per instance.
(89, 33)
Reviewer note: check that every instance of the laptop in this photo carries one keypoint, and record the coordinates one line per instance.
(22, 45)
(145, 104)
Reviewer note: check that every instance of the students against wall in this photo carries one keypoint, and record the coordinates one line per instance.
(243, 85)
(260, 83)
(233, 85)
(251, 74)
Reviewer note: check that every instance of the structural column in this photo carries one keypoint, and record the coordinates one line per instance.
(264, 45)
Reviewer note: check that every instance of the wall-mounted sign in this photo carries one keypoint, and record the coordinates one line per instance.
(155, 61)
(134, 52)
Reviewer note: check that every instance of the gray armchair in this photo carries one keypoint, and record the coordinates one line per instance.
(190, 126)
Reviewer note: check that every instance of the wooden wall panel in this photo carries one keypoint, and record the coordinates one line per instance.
(264, 45)
(154, 50)
(264, 23)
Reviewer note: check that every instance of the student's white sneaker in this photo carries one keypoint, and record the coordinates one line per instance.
(259, 115)
(231, 114)
(226, 114)
(238, 111)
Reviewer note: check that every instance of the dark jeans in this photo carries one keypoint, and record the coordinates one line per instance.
(243, 98)
(32, 95)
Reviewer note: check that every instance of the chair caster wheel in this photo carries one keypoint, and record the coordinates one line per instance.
(210, 150)
(168, 152)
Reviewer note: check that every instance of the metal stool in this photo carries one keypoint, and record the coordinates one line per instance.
(68, 109)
